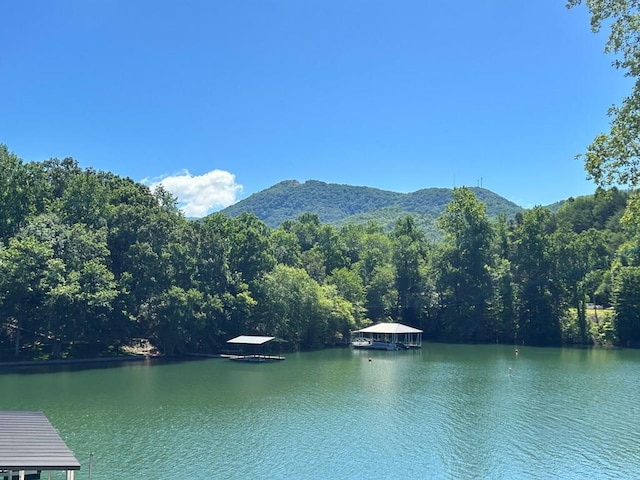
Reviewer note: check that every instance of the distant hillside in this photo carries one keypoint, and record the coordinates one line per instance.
(341, 204)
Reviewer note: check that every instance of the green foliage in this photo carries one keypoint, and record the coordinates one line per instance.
(410, 261)
(294, 306)
(175, 317)
(613, 158)
(538, 292)
(626, 295)
(600, 211)
(251, 253)
(603, 329)
(23, 192)
(463, 264)
(90, 261)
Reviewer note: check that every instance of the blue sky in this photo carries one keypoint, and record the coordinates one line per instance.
(219, 99)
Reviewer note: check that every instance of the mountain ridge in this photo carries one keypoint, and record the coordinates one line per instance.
(340, 204)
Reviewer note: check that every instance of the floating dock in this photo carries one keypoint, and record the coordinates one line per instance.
(254, 358)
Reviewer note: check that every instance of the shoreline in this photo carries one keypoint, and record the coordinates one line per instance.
(136, 357)
(71, 361)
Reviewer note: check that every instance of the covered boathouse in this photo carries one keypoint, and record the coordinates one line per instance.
(30, 447)
(253, 348)
(387, 336)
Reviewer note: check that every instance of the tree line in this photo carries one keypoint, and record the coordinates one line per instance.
(90, 261)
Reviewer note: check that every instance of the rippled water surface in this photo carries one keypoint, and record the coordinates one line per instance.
(446, 411)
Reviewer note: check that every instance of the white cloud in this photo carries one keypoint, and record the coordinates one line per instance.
(199, 195)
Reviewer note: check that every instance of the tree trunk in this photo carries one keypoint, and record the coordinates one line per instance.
(17, 347)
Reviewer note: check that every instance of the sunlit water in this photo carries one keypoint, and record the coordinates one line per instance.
(443, 412)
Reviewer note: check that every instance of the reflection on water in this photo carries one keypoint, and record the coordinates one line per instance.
(446, 411)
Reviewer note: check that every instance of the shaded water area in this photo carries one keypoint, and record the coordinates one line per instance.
(444, 412)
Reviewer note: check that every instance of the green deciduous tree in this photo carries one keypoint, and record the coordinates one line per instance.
(537, 289)
(286, 249)
(370, 252)
(85, 200)
(349, 286)
(464, 262)
(613, 157)
(293, 306)
(626, 296)
(251, 254)
(24, 192)
(410, 262)
(77, 288)
(175, 318)
(306, 227)
(27, 268)
(382, 294)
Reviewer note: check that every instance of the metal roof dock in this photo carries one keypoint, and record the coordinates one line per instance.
(29, 444)
(254, 342)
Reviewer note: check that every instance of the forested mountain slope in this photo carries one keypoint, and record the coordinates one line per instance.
(343, 204)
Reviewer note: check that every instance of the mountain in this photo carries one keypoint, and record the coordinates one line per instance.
(342, 204)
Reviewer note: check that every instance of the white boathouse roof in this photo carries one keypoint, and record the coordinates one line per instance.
(28, 441)
(389, 328)
(250, 340)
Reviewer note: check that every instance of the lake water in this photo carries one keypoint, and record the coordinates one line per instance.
(443, 412)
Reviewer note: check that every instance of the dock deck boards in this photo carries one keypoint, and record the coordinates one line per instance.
(254, 358)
